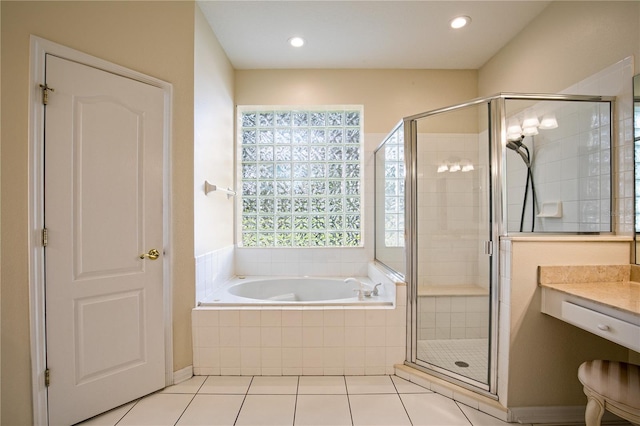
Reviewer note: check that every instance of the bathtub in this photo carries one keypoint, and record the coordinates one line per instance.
(297, 291)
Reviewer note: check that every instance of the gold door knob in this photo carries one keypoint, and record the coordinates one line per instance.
(153, 254)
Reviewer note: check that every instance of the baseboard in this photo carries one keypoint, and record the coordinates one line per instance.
(182, 375)
(565, 415)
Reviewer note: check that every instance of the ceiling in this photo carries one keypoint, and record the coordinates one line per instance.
(365, 34)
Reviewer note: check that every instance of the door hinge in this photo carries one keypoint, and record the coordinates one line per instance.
(47, 378)
(45, 237)
(488, 248)
(45, 93)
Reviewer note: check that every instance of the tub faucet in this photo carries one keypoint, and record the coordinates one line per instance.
(363, 289)
(375, 289)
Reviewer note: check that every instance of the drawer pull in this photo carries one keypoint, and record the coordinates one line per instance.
(603, 327)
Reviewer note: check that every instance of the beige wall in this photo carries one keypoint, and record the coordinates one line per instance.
(566, 43)
(545, 352)
(155, 38)
(387, 95)
(213, 140)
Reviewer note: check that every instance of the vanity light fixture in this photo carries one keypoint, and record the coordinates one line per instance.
(459, 22)
(443, 168)
(548, 122)
(296, 41)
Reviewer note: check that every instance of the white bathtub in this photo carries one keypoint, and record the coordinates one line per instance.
(297, 291)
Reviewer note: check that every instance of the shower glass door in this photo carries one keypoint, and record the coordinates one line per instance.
(451, 243)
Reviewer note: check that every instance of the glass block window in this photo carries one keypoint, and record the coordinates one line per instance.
(300, 174)
(394, 174)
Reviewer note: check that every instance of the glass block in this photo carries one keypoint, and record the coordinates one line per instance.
(266, 205)
(318, 204)
(318, 119)
(300, 153)
(284, 239)
(352, 205)
(318, 239)
(352, 239)
(266, 153)
(301, 222)
(334, 153)
(265, 119)
(283, 171)
(249, 239)
(249, 188)
(249, 154)
(300, 118)
(318, 170)
(334, 170)
(335, 238)
(249, 119)
(352, 153)
(249, 223)
(283, 118)
(265, 223)
(401, 173)
(391, 239)
(390, 187)
(352, 170)
(391, 205)
(352, 136)
(391, 171)
(334, 205)
(334, 118)
(391, 153)
(352, 118)
(317, 136)
(301, 187)
(352, 221)
(283, 136)
(391, 221)
(335, 187)
(265, 171)
(317, 153)
(266, 240)
(283, 153)
(283, 205)
(352, 187)
(266, 188)
(335, 136)
(318, 188)
(300, 136)
(283, 188)
(335, 221)
(283, 223)
(300, 171)
(265, 137)
(301, 239)
(248, 137)
(300, 205)
(249, 205)
(318, 222)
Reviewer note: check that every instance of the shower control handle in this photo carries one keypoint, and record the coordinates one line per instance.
(152, 255)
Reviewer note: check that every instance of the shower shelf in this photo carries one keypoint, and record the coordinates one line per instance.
(551, 209)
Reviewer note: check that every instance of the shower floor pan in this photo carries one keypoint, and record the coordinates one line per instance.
(467, 357)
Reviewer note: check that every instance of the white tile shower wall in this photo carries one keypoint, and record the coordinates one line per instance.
(324, 341)
(453, 317)
(212, 270)
(449, 210)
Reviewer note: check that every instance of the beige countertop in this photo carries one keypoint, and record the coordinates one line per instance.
(622, 295)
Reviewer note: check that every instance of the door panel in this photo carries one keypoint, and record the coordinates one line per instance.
(103, 208)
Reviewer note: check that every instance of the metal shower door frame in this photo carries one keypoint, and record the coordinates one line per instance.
(497, 125)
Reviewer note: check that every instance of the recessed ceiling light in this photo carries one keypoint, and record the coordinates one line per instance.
(459, 22)
(296, 41)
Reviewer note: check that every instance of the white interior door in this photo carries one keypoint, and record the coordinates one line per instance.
(103, 209)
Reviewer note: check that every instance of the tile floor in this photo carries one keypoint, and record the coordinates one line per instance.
(295, 400)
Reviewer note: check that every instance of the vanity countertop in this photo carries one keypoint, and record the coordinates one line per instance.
(622, 295)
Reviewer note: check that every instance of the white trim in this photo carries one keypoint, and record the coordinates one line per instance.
(182, 375)
(39, 48)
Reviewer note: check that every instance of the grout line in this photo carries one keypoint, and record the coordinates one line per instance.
(124, 415)
(295, 404)
(348, 399)
(401, 401)
(243, 400)
(463, 413)
(185, 408)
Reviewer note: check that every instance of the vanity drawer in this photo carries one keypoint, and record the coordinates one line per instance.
(610, 328)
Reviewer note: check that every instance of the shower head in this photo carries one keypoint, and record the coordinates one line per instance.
(517, 145)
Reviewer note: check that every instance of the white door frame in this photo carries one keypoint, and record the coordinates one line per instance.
(39, 48)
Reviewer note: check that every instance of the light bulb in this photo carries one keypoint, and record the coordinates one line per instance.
(442, 168)
(531, 121)
(296, 41)
(459, 22)
(455, 167)
(530, 131)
